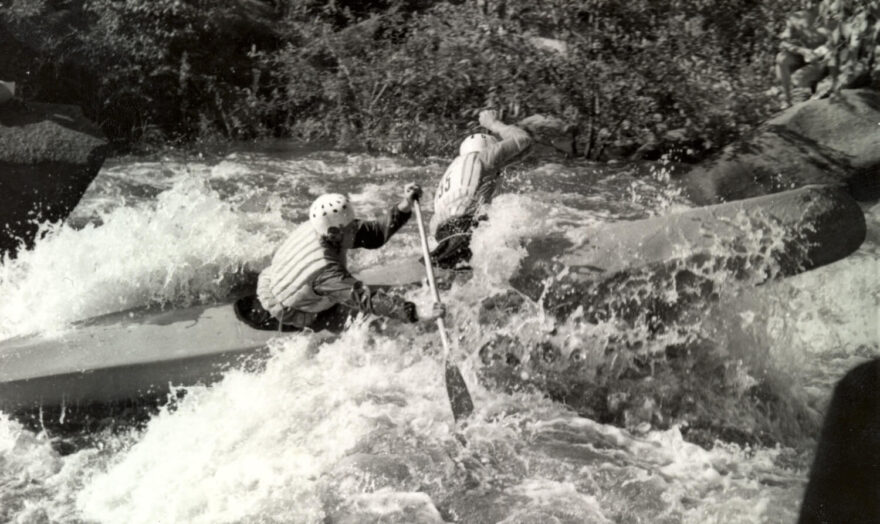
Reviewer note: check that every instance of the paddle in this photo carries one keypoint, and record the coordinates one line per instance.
(462, 405)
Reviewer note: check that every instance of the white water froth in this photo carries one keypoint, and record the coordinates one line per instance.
(258, 444)
(298, 441)
(288, 445)
(185, 247)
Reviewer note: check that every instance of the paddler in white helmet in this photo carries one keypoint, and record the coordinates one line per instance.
(470, 181)
(308, 284)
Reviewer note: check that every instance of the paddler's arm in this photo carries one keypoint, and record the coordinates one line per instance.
(337, 284)
(372, 234)
(514, 144)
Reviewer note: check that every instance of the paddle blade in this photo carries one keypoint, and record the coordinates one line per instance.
(462, 405)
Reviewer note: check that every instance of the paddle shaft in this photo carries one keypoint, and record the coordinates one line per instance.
(429, 269)
(456, 388)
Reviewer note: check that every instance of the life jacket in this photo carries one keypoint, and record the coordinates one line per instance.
(286, 283)
(456, 193)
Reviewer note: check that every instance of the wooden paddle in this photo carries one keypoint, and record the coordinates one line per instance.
(459, 397)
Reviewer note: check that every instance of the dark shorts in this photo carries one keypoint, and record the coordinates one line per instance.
(249, 310)
(453, 249)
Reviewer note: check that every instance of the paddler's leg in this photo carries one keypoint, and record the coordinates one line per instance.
(383, 304)
(333, 319)
(453, 249)
(249, 310)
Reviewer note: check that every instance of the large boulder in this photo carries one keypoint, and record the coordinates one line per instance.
(829, 141)
(49, 154)
(653, 269)
(845, 478)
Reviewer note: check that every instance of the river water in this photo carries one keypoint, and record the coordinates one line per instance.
(358, 428)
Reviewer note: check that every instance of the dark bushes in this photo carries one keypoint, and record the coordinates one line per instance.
(405, 76)
(629, 73)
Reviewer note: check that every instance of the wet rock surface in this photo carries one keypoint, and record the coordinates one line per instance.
(49, 154)
(625, 269)
(834, 140)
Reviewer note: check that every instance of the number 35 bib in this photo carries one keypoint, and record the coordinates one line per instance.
(456, 193)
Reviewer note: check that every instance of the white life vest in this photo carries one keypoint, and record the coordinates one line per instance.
(286, 283)
(456, 194)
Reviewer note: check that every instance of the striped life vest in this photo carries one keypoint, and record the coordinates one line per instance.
(286, 283)
(456, 194)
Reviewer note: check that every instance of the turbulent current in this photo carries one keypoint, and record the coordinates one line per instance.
(358, 428)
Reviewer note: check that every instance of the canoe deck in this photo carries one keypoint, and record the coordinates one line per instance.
(124, 356)
(144, 353)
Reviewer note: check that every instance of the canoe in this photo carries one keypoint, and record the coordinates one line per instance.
(139, 354)
(132, 355)
(660, 266)
(125, 355)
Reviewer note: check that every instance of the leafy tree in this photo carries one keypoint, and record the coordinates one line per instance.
(854, 41)
(410, 76)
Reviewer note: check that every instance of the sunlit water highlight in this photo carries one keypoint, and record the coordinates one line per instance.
(357, 428)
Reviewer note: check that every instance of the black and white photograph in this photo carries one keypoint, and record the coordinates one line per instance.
(439, 261)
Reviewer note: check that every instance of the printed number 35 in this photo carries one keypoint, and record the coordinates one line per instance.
(445, 183)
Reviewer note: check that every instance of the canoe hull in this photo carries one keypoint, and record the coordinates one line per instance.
(126, 356)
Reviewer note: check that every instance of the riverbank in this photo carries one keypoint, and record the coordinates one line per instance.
(637, 78)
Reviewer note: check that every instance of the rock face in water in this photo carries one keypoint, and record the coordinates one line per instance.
(49, 155)
(652, 268)
(845, 478)
(829, 141)
(653, 281)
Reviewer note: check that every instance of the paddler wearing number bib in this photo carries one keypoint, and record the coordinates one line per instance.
(308, 284)
(470, 181)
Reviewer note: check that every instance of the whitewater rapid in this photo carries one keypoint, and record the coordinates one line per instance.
(359, 425)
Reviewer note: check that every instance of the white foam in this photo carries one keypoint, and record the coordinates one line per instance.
(497, 243)
(185, 247)
(265, 446)
(256, 446)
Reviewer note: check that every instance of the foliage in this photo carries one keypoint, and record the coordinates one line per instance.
(410, 76)
(854, 41)
(631, 72)
(149, 70)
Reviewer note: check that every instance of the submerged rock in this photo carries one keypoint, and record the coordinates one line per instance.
(829, 141)
(49, 154)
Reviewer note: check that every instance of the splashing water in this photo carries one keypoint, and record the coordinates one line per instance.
(289, 445)
(185, 247)
(357, 427)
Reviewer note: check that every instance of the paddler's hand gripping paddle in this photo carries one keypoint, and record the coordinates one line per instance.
(459, 397)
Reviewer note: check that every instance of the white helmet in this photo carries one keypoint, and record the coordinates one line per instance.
(476, 143)
(330, 210)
